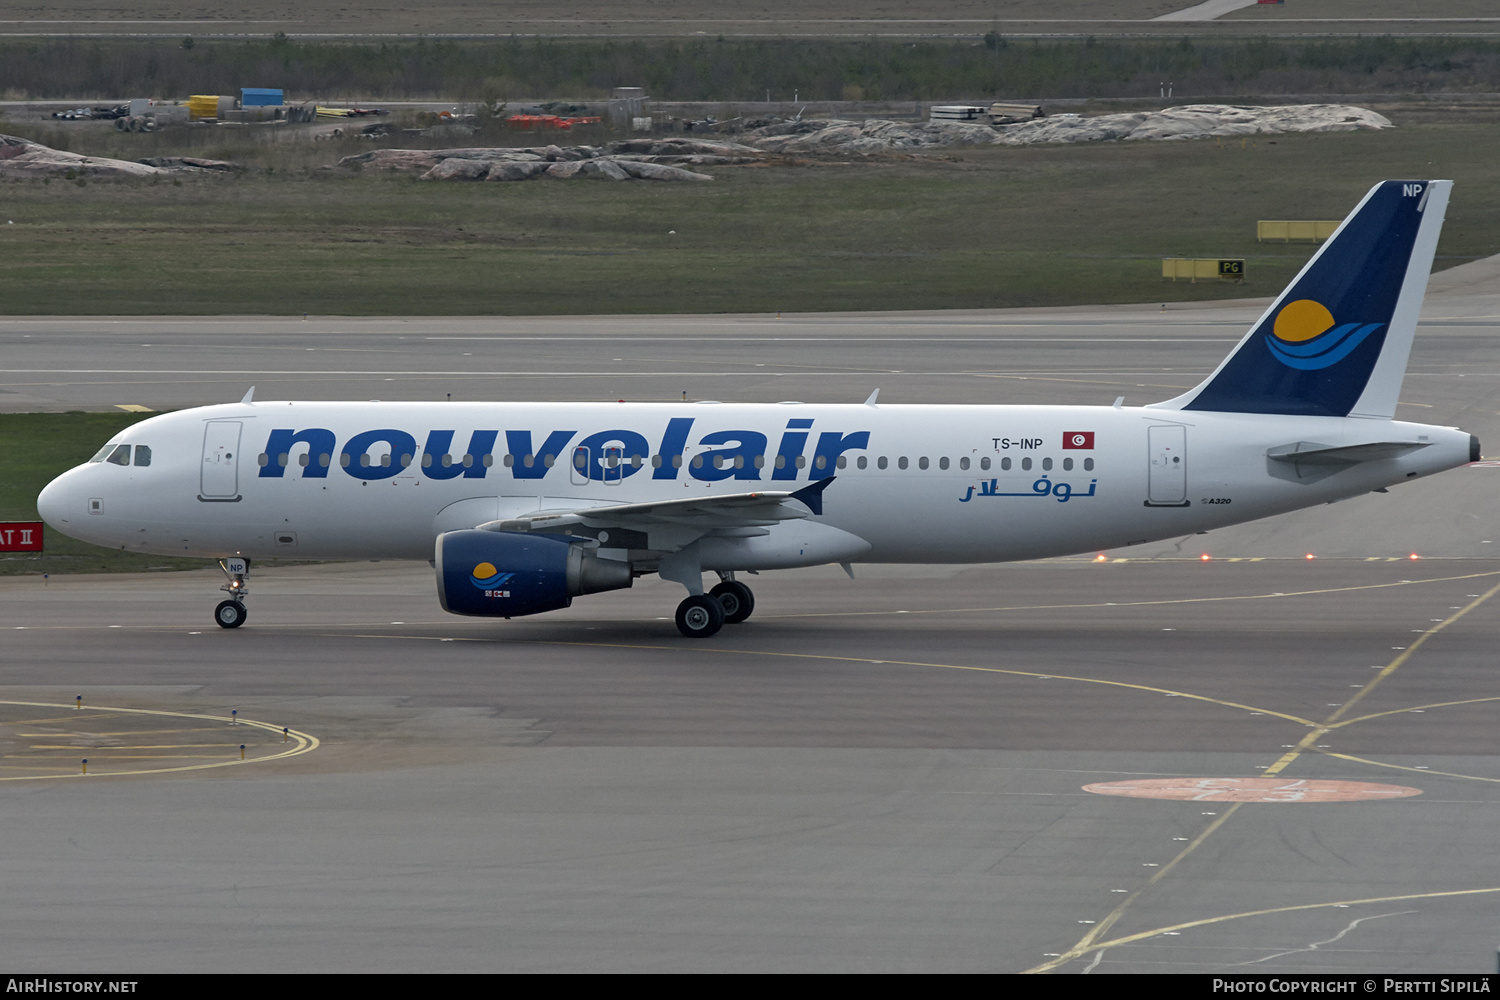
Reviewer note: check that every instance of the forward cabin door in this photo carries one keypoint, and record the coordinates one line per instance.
(1167, 445)
(220, 479)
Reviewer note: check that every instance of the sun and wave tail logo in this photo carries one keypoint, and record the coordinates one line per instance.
(487, 577)
(1305, 336)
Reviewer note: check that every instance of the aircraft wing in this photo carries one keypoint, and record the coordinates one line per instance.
(699, 514)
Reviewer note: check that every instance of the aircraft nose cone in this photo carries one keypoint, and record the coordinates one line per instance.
(52, 503)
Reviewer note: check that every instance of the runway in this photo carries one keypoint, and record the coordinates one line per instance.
(884, 774)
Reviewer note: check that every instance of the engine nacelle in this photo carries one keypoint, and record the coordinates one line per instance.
(506, 574)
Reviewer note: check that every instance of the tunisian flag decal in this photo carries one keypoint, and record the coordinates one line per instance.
(1078, 439)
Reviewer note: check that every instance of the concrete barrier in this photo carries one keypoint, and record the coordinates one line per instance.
(1287, 230)
(1206, 268)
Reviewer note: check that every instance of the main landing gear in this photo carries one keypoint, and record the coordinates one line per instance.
(232, 613)
(701, 615)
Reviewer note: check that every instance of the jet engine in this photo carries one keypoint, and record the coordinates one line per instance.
(506, 574)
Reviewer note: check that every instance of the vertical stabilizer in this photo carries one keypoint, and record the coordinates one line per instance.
(1336, 341)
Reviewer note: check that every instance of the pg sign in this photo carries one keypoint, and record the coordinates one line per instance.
(20, 536)
(1232, 269)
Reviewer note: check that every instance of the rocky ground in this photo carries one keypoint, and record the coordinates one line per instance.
(618, 161)
(24, 158)
(1195, 121)
(669, 158)
(663, 159)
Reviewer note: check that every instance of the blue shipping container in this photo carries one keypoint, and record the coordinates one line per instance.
(256, 97)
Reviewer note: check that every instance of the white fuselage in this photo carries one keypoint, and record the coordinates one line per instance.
(952, 484)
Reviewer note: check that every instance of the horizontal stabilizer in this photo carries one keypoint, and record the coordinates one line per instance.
(1311, 453)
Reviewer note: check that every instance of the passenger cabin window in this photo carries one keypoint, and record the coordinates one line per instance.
(984, 463)
(1047, 464)
(1088, 465)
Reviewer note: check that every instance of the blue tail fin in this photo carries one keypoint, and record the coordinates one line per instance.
(1336, 342)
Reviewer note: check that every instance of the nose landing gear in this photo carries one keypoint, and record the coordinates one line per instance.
(232, 613)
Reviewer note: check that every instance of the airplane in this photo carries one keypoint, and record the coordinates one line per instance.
(521, 507)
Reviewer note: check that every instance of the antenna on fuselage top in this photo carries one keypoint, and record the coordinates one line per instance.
(248, 396)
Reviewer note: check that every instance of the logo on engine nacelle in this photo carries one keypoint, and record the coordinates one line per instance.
(486, 578)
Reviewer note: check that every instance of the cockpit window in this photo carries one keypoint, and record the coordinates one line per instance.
(102, 454)
(142, 454)
(120, 456)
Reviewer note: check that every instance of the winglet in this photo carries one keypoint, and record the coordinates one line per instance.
(871, 400)
(249, 396)
(813, 495)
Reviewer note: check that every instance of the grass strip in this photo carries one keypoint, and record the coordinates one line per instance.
(972, 228)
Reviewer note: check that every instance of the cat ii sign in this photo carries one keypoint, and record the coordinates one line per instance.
(20, 536)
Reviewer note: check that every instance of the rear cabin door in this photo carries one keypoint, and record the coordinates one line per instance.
(1168, 479)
